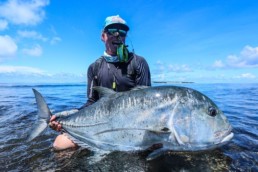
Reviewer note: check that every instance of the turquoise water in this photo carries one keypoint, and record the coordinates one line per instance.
(18, 111)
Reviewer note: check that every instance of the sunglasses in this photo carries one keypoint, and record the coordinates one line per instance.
(116, 32)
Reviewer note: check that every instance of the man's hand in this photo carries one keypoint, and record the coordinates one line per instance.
(54, 124)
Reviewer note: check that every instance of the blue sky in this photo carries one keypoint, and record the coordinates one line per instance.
(182, 40)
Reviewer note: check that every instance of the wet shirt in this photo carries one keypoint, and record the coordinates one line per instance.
(117, 76)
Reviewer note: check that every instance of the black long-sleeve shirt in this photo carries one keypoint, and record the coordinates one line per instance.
(125, 75)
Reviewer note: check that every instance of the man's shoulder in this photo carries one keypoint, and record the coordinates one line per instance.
(94, 67)
(137, 58)
(97, 61)
(96, 64)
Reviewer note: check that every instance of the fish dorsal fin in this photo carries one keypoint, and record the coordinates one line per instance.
(103, 91)
(140, 87)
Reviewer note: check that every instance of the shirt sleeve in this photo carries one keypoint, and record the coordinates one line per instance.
(91, 82)
(143, 76)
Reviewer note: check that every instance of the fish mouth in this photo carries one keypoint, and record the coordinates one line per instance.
(225, 136)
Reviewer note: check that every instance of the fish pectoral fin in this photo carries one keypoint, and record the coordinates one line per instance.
(156, 153)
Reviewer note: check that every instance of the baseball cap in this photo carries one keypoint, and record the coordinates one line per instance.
(115, 21)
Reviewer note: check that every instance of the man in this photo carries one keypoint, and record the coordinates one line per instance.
(117, 69)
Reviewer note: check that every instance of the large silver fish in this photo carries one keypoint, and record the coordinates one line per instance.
(182, 119)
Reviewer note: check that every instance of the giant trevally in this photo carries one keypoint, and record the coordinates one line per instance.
(179, 118)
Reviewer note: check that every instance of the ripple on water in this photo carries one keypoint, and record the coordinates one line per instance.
(18, 113)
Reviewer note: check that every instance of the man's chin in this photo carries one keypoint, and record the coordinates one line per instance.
(112, 53)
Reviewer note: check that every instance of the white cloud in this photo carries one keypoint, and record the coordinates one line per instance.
(25, 74)
(162, 67)
(233, 60)
(160, 62)
(246, 76)
(250, 55)
(3, 24)
(31, 34)
(169, 72)
(55, 40)
(21, 70)
(35, 51)
(8, 47)
(179, 68)
(28, 12)
(248, 58)
(37, 36)
(218, 64)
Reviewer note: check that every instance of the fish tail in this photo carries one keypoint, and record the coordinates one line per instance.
(44, 115)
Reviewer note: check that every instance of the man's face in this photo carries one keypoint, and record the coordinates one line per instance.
(112, 37)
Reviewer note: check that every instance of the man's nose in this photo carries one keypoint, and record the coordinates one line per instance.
(116, 34)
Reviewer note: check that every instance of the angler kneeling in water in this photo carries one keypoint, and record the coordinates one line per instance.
(181, 119)
(117, 69)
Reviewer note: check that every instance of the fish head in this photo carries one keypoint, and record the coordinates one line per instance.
(197, 123)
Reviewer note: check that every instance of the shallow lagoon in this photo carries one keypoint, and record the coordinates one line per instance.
(18, 111)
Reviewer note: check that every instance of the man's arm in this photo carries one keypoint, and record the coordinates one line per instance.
(143, 76)
(91, 99)
(92, 95)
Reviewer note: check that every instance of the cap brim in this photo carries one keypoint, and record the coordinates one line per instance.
(118, 26)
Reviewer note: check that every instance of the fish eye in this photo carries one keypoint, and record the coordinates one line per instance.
(212, 111)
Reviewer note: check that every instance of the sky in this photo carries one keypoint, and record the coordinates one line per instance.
(54, 41)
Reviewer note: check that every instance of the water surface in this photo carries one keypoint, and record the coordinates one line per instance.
(18, 112)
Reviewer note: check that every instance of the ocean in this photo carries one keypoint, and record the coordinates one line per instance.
(18, 112)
